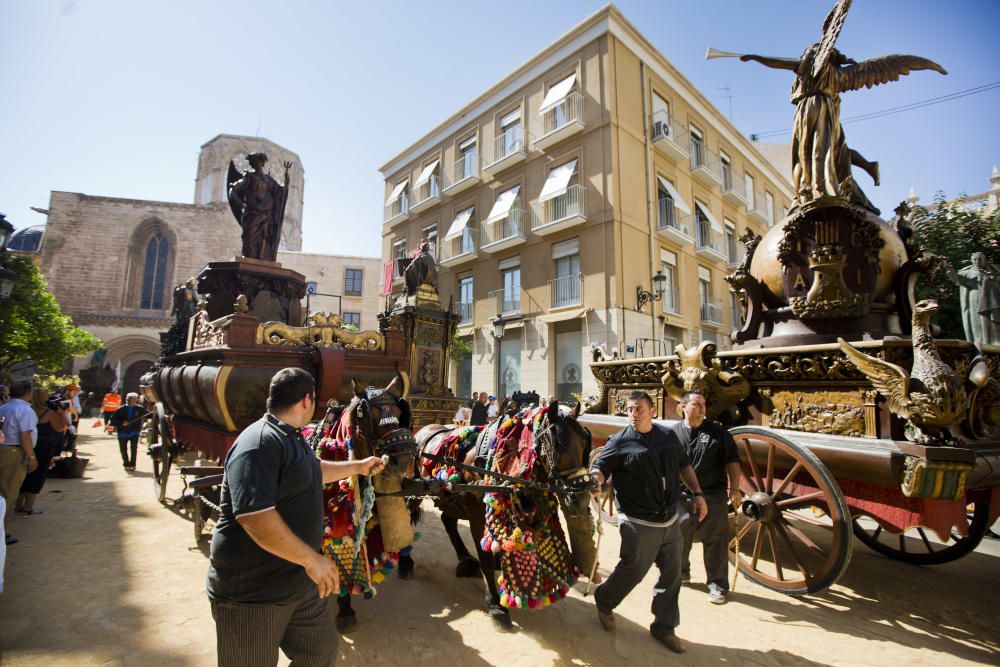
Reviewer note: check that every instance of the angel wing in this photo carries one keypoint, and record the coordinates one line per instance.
(831, 31)
(231, 177)
(889, 379)
(883, 69)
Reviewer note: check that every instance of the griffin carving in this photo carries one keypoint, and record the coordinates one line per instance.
(932, 397)
(700, 369)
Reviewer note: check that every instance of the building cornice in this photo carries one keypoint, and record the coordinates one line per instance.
(607, 20)
(121, 320)
(143, 202)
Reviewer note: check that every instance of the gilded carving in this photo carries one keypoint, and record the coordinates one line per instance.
(700, 369)
(834, 412)
(207, 333)
(785, 367)
(322, 331)
(941, 480)
(828, 296)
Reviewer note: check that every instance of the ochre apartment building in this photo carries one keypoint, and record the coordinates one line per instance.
(556, 197)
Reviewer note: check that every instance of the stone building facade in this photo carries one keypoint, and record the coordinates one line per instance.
(556, 197)
(112, 263)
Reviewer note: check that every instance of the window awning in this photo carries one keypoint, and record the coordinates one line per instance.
(396, 191)
(558, 181)
(425, 175)
(459, 223)
(563, 316)
(501, 208)
(716, 227)
(678, 200)
(566, 248)
(557, 93)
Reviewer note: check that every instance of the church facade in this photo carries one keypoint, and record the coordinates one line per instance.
(113, 263)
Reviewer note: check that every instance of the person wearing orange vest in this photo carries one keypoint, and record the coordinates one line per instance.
(112, 401)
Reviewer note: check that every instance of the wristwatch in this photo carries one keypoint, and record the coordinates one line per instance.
(698, 493)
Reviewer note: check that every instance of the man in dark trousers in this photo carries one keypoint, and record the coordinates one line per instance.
(480, 411)
(646, 463)
(268, 583)
(127, 421)
(716, 461)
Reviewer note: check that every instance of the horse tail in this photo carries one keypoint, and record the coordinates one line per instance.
(413, 504)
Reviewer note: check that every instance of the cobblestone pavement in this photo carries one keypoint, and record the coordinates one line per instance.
(108, 576)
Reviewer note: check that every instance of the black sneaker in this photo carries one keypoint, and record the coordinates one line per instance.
(8, 540)
(670, 641)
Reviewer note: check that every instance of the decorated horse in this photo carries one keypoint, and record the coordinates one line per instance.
(509, 479)
(368, 530)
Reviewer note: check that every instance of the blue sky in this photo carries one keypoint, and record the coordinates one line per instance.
(115, 97)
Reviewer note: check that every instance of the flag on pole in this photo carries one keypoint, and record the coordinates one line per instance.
(118, 376)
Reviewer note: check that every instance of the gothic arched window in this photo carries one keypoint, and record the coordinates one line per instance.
(154, 275)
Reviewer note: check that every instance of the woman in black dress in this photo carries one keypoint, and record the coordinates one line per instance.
(52, 427)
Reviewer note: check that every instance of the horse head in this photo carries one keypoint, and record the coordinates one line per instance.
(562, 447)
(381, 425)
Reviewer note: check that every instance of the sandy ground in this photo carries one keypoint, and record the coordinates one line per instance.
(108, 576)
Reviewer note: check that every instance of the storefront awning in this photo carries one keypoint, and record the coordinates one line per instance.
(672, 191)
(558, 181)
(501, 208)
(459, 223)
(557, 93)
(396, 191)
(425, 175)
(563, 316)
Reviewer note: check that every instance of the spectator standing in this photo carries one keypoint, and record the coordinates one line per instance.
(480, 411)
(646, 463)
(17, 453)
(72, 392)
(4, 394)
(112, 401)
(716, 462)
(464, 414)
(52, 430)
(127, 421)
(492, 410)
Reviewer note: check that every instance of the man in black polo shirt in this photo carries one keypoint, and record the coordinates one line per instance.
(646, 462)
(268, 582)
(480, 411)
(716, 461)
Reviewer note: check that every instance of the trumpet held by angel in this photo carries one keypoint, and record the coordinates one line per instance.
(821, 159)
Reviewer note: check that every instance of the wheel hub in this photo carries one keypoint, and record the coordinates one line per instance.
(759, 507)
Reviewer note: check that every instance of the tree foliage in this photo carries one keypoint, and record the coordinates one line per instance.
(953, 232)
(461, 349)
(33, 327)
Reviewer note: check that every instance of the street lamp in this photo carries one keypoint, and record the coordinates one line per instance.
(498, 326)
(6, 231)
(643, 297)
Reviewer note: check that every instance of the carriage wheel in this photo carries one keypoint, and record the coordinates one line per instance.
(793, 530)
(926, 550)
(162, 454)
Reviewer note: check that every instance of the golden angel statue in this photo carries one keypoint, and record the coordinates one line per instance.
(821, 160)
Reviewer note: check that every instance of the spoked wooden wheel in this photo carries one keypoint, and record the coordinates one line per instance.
(161, 453)
(920, 546)
(794, 527)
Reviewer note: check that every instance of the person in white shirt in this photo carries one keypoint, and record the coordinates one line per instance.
(17, 453)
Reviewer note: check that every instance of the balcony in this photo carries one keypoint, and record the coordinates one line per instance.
(672, 223)
(397, 212)
(711, 313)
(428, 194)
(504, 233)
(465, 312)
(733, 190)
(463, 175)
(508, 300)
(706, 165)
(506, 150)
(561, 121)
(459, 249)
(757, 210)
(670, 136)
(672, 301)
(707, 246)
(566, 291)
(556, 214)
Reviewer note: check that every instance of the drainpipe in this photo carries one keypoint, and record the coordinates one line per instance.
(649, 199)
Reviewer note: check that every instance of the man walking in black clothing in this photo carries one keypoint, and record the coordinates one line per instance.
(716, 461)
(127, 421)
(646, 464)
(480, 411)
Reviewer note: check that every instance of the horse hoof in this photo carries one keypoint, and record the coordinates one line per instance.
(467, 567)
(347, 624)
(406, 568)
(501, 617)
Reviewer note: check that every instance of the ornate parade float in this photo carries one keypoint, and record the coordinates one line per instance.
(850, 417)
